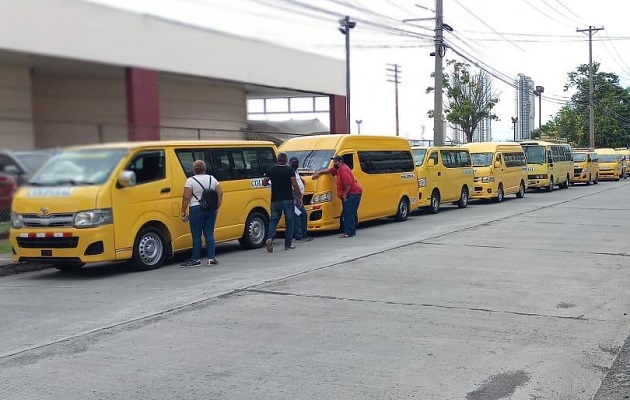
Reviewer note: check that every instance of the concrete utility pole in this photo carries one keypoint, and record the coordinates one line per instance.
(440, 49)
(345, 26)
(394, 76)
(591, 106)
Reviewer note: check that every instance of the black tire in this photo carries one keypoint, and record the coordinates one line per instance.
(402, 212)
(255, 232)
(551, 185)
(565, 185)
(69, 268)
(463, 198)
(149, 249)
(434, 208)
(500, 194)
(521, 191)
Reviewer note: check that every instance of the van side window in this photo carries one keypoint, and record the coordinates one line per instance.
(450, 159)
(514, 159)
(385, 162)
(229, 164)
(464, 159)
(148, 166)
(348, 160)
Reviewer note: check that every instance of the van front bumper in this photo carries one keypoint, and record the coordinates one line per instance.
(483, 191)
(537, 183)
(63, 245)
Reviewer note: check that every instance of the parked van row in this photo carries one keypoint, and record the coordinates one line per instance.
(122, 201)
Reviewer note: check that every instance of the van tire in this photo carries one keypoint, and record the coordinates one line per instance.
(255, 232)
(551, 185)
(402, 212)
(434, 208)
(521, 191)
(500, 194)
(149, 249)
(463, 198)
(565, 184)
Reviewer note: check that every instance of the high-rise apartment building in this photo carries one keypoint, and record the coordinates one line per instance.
(525, 107)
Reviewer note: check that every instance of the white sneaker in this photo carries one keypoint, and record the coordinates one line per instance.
(269, 245)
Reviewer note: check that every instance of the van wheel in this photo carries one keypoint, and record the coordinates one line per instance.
(521, 191)
(551, 185)
(463, 198)
(402, 213)
(588, 183)
(435, 202)
(255, 232)
(148, 249)
(565, 184)
(500, 194)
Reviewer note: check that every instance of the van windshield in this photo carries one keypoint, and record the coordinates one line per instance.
(579, 157)
(481, 159)
(80, 167)
(608, 158)
(312, 160)
(535, 154)
(418, 156)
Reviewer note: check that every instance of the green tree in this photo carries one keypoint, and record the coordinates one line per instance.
(470, 98)
(611, 112)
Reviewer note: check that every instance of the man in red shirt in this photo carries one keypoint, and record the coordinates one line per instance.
(349, 191)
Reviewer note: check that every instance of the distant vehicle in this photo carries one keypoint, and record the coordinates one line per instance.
(610, 164)
(499, 168)
(625, 158)
(8, 187)
(22, 163)
(585, 167)
(548, 164)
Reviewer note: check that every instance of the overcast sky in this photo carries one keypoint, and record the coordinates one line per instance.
(535, 37)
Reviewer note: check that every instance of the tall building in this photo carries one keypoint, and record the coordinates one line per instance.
(525, 107)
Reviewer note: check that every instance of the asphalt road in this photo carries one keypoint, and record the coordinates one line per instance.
(527, 299)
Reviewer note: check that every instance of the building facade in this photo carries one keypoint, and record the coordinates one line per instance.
(525, 108)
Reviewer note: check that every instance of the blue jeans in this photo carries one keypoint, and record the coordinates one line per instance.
(202, 221)
(349, 214)
(277, 208)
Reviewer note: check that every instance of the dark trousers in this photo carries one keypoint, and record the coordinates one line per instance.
(349, 214)
(300, 224)
(202, 222)
(277, 209)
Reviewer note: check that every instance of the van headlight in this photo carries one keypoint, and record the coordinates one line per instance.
(484, 179)
(422, 182)
(322, 198)
(92, 218)
(16, 220)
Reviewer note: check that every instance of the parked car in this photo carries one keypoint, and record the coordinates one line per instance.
(22, 163)
(8, 187)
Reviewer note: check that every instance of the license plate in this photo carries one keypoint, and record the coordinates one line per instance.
(46, 253)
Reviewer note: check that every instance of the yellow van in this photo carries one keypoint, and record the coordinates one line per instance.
(585, 167)
(548, 164)
(382, 165)
(122, 201)
(624, 152)
(610, 164)
(445, 175)
(499, 168)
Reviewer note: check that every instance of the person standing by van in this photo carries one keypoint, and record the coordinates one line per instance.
(201, 221)
(349, 191)
(300, 225)
(283, 185)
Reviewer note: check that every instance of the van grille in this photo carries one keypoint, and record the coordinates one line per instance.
(52, 220)
(48, 242)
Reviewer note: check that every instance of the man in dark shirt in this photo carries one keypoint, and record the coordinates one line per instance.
(283, 185)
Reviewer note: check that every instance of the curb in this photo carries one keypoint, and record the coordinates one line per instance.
(8, 267)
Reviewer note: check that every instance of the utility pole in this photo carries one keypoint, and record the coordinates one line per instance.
(345, 26)
(591, 106)
(393, 75)
(514, 121)
(440, 50)
(359, 122)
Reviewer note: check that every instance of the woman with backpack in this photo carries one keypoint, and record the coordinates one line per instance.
(204, 195)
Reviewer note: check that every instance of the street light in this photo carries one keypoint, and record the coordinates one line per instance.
(514, 121)
(359, 122)
(538, 92)
(345, 26)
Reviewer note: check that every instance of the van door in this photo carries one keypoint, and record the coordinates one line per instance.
(148, 200)
(434, 173)
(452, 176)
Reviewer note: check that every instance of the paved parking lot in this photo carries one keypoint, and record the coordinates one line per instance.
(527, 299)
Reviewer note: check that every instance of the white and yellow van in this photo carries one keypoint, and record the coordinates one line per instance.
(548, 164)
(610, 164)
(382, 165)
(585, 166)
(122, 201)
(445, 175)
(499, 168)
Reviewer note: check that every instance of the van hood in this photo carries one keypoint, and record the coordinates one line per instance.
(57, 199)
(482, 171)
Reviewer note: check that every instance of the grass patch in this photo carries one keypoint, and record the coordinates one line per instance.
(4, 228)
(5, 247)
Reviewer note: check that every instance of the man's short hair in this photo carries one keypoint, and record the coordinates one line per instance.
(283, 158)
(199, 166)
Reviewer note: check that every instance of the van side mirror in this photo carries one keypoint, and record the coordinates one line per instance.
(431, 163)
(127, 179)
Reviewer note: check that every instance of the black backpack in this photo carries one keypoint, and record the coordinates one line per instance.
(209, 200)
